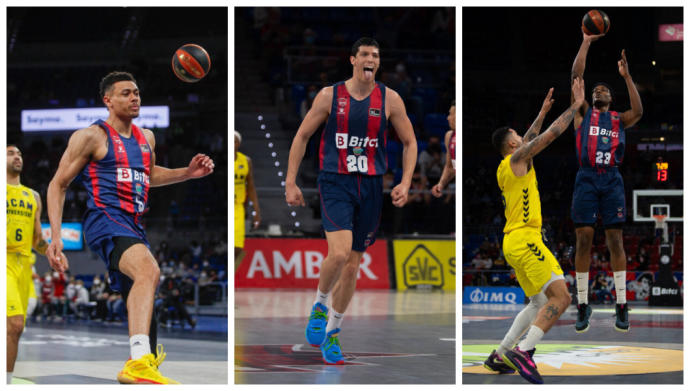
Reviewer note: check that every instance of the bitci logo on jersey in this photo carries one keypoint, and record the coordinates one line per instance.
(342, 141)
(596, 131)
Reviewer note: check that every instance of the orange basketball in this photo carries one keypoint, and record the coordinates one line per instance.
(191, 63)
(595, 22)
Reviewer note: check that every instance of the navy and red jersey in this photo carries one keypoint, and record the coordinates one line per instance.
(600, 139)
(354, 139)
(120, 181)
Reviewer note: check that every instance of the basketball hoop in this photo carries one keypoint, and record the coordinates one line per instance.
(659, 221)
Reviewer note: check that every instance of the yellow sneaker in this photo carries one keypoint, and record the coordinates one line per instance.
(144, 371)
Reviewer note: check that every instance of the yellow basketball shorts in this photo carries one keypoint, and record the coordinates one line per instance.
(533, 262)
(239, 225)
(18, 286)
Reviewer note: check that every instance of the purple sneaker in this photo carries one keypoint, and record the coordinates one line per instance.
(522, 362)
(496, 364)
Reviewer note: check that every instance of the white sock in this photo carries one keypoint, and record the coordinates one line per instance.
(139, 346)
(321, 297)
(533, 337)
(619, 282)
(334, 321)
(582, 287)
(521, 323)
(9, 377)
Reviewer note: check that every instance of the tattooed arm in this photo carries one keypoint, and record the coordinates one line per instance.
(534, 130)
(520, 161)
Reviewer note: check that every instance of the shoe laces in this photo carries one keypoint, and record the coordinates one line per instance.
(581, 312)
(160, 356)
(333, 340)
(317, 315)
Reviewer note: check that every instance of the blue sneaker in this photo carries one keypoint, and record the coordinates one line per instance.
(331, 351)
(316, 328)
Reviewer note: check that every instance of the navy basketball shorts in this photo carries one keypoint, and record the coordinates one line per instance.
(352, 202)
(598, 193)
(109, 233)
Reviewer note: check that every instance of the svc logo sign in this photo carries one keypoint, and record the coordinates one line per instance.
(422, 267)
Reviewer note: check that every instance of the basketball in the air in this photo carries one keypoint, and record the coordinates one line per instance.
(191, 63)
(596, 22)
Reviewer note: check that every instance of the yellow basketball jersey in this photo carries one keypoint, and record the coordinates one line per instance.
(21, 214)
(520, 197)
(241, 172)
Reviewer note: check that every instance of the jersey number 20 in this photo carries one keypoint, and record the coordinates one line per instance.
(357, 163)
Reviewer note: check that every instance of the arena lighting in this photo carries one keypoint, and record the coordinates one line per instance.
(274, 155)
(47, 120)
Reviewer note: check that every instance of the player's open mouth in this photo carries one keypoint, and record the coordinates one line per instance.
(368, 71)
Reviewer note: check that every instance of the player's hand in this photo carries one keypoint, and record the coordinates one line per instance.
(578, 89)
(623, 65)
(399, 195)
(56, 258)
(256, 220)
(548, 102)
(437, 189)
(293, 195)
(200, 166)
(591, 38)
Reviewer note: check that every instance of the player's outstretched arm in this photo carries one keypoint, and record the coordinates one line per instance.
(534, 130)
(529, 149)
(82, 144)
(200, 166)
(403, 127)
(448, 172)
(630, 117)
(318, 113)
(578, 70)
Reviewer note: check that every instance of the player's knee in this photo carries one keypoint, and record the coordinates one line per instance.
(538, 300)
(15, 326)
(339, 257)
(584, 240)
(564, 299)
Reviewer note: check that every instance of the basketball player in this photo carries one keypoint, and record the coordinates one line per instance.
(449, 168)
(244, 186)
(117, 162)
(352, 161)
(599, 191)
(537, 270)
(23, 233)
